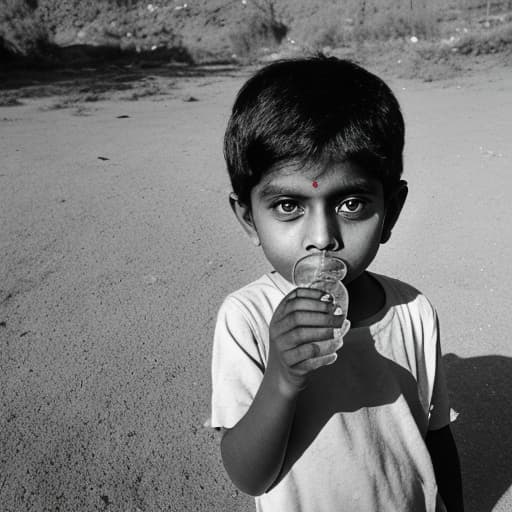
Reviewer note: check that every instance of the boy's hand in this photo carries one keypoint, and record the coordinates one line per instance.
(301, 337)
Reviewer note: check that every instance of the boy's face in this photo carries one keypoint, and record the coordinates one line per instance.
(340, 209)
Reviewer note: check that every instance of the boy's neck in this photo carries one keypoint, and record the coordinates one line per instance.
(366, 298)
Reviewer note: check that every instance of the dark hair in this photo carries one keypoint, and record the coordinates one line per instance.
(313, 110)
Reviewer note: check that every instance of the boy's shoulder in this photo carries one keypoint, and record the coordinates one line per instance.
(396, 286)
(400, 294)
(273, 285)
(259, 297)
(268, 285)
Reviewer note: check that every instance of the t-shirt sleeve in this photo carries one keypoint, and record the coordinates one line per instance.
(439, 414)
(237, 365)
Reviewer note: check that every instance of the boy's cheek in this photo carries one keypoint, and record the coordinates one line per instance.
(282, 257)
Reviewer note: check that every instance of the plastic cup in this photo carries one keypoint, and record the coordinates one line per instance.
(317, 270)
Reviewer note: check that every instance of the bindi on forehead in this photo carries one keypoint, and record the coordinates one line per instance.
(315, 184)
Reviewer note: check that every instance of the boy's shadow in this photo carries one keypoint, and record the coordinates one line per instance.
(361, 379)
(481, 392)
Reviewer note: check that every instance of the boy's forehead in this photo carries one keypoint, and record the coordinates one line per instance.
(294, 171)
(340, 174)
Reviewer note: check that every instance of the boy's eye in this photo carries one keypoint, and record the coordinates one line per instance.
(286, 208)
(352, 206)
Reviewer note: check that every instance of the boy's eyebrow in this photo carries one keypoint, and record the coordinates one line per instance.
(355, 187)
(271, 190)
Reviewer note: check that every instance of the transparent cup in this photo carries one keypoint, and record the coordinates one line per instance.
(322, 272)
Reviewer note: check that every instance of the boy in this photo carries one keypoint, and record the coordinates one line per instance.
(312, 422)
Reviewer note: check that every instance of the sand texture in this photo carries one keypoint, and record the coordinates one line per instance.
(117, 246)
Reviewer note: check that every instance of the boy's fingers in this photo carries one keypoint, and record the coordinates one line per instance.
(313, 364)
(306, 315)
(312, 351)
(303, 319)
(339, 333)
(305, 299)
(305, 335)
(307, 304)
(301, 291)
(305, 293)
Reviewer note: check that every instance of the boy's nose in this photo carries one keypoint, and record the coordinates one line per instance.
(323, 233)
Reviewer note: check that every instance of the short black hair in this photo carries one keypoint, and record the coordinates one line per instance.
(313, 110)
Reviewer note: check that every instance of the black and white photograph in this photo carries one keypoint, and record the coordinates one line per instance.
(255, 256)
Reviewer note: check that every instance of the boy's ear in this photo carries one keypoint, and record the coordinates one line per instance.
(244, 216)
(394, 204)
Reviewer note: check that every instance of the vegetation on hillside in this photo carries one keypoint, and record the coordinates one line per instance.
(56, 32)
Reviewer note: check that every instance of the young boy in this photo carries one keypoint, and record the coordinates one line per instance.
(312, 422)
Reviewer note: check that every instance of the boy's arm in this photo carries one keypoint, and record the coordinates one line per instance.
(445, 459)
(253, 450)
(300, 341)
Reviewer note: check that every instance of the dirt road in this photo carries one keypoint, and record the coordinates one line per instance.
(117, 246)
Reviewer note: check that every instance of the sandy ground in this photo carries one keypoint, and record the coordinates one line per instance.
(113, 269)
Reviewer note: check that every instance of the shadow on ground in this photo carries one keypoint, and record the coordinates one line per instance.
(480, 390)
(92, 73)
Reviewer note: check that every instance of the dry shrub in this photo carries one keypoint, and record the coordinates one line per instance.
(122, 23)
(260, 30)
(9, 99)
(21, 31)
(391, 19)
(345, 22)
(328, 27)
(51, 33)
(428, 61)
(425, 60)
(494, 40)
(253, 36)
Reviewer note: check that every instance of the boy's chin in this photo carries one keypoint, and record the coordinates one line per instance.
(287, 277)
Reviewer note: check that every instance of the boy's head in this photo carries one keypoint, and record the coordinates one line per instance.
(314, 152)
(313, 111)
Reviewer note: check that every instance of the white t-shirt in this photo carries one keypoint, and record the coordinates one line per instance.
(357, 441)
